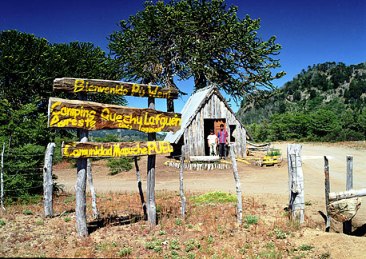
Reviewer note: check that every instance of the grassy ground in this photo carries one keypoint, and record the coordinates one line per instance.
(208, 230)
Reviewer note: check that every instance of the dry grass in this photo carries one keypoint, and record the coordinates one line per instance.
(208, 230)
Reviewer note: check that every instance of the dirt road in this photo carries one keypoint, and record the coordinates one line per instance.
(254, 180)
(268, 182)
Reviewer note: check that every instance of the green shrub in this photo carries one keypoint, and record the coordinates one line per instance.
(2, 223)
(280, 234)
(27, 212)
(39, 222)
(155, 245)
(178, 221)
(119, 165)
(274, 152)
(191, 245)
(306, 247)
(214, 197)
(125, 251)
(174, 245)
(251, 219)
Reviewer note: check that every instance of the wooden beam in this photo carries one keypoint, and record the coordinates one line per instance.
(334, 196)
(204, 158)
(77, 85)
(114, 149)
(64, 113)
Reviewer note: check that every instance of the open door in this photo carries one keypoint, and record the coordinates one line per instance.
(211, 124)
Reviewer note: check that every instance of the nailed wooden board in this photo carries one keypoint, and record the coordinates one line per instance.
(77, 85)
(64, 113)
(115, 149)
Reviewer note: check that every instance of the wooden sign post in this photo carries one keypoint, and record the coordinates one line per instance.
(85, 116)
(150, 185)
(80, 188)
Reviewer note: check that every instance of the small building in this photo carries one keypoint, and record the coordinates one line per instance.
(206, 109)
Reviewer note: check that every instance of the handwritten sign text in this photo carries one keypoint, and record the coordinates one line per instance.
(77, 85)
(115, 149)
(94, 116)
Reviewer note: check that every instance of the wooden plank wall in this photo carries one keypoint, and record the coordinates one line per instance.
(213, 109)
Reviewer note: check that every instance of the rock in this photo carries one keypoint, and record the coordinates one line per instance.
(344, 210)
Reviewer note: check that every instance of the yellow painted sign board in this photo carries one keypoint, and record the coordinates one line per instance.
(115, 149)
(77, 85)
(64, 113)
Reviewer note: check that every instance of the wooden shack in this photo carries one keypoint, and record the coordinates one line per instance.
(206, 109)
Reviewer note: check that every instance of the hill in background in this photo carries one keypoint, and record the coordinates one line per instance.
(326, 102)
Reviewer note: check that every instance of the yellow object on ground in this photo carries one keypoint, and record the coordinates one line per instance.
(270, 160)
(243, 161)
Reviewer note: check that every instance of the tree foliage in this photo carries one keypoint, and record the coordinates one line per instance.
(205, 40)
(28, 66)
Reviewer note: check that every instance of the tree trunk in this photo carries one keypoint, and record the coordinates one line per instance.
(2, 179)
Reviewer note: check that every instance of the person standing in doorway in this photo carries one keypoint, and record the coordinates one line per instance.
(212, 143)
(222, 136)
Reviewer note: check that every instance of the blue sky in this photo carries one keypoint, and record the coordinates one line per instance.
(310, 32)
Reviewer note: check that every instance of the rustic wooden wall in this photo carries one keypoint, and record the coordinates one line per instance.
(214, 108)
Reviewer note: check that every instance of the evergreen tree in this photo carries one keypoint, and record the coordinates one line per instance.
(195, 38)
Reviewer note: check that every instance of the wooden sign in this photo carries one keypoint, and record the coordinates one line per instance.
(77, 85)
(95, 116)
(115, 149)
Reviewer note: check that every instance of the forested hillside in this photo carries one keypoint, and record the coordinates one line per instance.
(326, 102)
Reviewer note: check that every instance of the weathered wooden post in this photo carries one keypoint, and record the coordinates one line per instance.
(80, 188)
(296, 182)
(347, 226)
(139, 186)
(2, 178)
(181, 189)
(239, 204)
(151, 206)
(92, 190)
(47, 180)
(327, 190)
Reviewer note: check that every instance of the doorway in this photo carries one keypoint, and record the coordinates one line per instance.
(211, 124)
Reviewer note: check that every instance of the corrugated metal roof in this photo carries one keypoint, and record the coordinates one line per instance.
(189, 110)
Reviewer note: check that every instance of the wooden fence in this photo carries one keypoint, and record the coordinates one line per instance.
(342, 206)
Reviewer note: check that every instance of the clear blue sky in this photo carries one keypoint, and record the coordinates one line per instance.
(310, 32)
